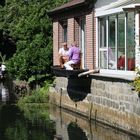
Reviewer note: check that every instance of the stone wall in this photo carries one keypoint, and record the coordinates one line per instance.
(110, 101)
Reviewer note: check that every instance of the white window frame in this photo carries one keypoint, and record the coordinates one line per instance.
(82, 40)
(107, 13)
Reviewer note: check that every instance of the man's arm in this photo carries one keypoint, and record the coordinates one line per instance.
(70, 52)
(60, 52)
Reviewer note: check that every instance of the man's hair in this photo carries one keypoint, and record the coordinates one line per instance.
(64, 43)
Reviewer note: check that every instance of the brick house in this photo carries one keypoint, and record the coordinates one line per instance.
(106, 31)
(69, 24)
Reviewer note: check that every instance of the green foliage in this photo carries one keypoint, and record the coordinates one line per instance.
(27, 23)
(39, 95)
(136, 82)
(17, 132)
(33, 123)
(2, 58)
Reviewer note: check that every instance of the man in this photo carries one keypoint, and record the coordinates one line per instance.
(63, 54)
(74, 55)
(3, 68)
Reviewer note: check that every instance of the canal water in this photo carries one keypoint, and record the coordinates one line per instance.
(42, 122)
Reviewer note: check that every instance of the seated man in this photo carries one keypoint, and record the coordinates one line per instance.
(63, 54)
(3, 69)
(74, 55)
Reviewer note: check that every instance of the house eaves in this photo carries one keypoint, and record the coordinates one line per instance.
(69, 6)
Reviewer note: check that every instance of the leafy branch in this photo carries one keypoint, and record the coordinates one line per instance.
(3, 58)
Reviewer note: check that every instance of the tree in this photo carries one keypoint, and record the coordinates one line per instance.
(27, 24)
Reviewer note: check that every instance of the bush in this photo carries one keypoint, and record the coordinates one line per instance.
(39, 95)
(136, 82)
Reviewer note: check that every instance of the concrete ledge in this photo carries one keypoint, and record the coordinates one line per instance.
(114, 76)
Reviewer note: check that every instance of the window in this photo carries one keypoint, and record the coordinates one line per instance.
(130, 41)
(112, 42)
(64, 31)
(121, 42)
(117, 42)
(103, 45)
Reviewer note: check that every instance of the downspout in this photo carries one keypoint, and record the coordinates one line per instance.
(139, 29)
(93, 38)
(92, 2)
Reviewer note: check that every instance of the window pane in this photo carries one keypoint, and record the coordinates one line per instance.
(111, 41)
(131, 41)
(65, 33)
(102, 34)
(121, 42)
(103, 59)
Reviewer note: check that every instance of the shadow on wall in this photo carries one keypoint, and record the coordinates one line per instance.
(78, 88)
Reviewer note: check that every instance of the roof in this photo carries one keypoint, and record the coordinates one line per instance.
(69, 5)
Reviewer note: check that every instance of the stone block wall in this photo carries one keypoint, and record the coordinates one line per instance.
(111, 101)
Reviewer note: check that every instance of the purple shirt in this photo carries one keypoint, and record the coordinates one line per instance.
(74, 54)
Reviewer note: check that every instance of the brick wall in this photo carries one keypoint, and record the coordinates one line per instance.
(60, 35)
(73, 34)
(76, 30)
(55, 43)
(70, 31)
(94, 40)
(89, 41)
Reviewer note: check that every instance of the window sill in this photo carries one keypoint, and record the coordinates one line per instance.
(114, 76)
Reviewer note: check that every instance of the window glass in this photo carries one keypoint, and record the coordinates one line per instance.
(103, 32)
(121, 42)
(103, 46)
(111, 40)
(130, 41)
(103, 59)
(65, 33)
(113, 49)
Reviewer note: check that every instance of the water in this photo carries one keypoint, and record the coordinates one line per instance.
(40, 122)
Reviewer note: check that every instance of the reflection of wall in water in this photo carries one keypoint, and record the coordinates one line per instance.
(92, 130)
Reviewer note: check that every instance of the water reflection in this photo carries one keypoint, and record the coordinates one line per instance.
(39, 123)
(43, 122)
(18, 125)
(31, 123)
(4, 93)
(73, 127)
(75, 132)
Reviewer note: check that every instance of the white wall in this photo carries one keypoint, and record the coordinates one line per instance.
(108, 4)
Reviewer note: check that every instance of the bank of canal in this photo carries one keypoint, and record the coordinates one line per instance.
(43, 123)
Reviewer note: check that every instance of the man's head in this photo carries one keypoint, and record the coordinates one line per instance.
(65, 45)
(74, 44)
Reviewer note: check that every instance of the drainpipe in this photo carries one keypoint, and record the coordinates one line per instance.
(93, 37)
